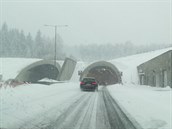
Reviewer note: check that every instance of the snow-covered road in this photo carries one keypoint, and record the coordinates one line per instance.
(90, 110)
(64, 105)
(60, 106)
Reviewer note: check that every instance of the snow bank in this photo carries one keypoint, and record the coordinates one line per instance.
(150, 106)
(21, 104)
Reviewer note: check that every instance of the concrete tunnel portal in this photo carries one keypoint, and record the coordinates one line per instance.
(104, 72)
(47, 69)
(43, 71)
(39, 70)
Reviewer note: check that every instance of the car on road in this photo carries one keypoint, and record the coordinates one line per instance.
(89, 83)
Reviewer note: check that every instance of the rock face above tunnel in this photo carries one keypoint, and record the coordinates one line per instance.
(104, 72)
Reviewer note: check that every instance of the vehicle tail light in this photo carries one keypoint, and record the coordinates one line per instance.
(81, 83)
(94, 83)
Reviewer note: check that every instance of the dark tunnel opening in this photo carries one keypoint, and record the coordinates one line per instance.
(43, 71)
(104, 75)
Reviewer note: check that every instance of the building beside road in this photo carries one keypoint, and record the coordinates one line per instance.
(157, 71)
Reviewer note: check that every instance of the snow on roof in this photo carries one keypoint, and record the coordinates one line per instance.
(140, 58)
(128, 65)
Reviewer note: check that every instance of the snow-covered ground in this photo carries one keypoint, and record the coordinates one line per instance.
(150, 106)
(22, 104)
(10, 67)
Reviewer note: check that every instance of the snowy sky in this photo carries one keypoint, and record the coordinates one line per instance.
(93, 21)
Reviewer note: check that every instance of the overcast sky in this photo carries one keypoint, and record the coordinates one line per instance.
(138, 21)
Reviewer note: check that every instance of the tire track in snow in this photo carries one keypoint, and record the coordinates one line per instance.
(102, 120)
(43, 120)
(92, 110)
(89, 119)
(70, 118)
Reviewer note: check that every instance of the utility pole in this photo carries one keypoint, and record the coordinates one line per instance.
(55, 44)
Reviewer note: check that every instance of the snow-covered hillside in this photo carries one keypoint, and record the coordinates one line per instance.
(10, 67)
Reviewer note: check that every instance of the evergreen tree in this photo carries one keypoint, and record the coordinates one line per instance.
(22, 45)
(38, 45)
(29, 43)
(14, 43)
(4, 40)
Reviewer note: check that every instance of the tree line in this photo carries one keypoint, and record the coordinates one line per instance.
(92, 52)
(15, 43)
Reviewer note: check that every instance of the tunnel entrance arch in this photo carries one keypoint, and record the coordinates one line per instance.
(39, 70)
(104, 72)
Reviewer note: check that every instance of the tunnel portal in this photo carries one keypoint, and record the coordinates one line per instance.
(104, 72)
(103, 75)
(39, 70)
(43, 71)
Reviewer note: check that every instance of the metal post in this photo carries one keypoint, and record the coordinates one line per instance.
(55, 45)
(171, 68)
(55, 53)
